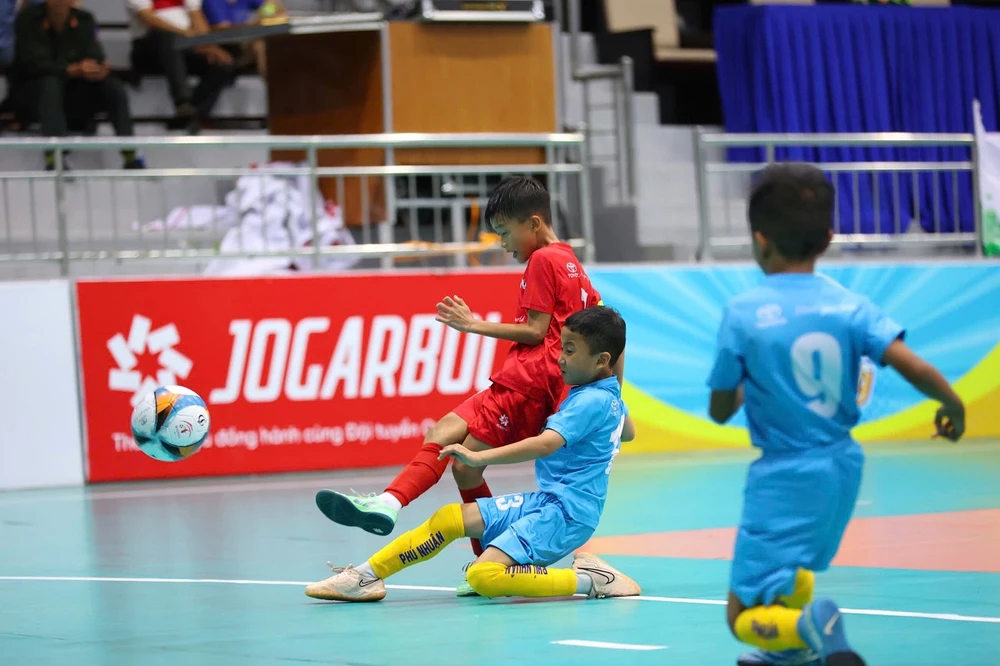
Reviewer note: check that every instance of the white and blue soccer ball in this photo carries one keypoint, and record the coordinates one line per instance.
(170, 423)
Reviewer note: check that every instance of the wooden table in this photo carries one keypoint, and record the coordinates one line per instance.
(357, 74)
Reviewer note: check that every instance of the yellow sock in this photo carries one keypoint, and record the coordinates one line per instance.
(805, 580)
(420, 544)
(492, 579)
(771, 628)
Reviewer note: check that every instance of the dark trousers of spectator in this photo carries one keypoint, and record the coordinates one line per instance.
(60, 104)
(6, 55)
(156, 54)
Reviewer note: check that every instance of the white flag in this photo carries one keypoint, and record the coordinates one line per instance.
(988, 150)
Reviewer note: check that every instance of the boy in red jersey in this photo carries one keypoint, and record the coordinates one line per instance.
(525, 391)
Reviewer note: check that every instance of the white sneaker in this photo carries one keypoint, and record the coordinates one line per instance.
(464, 589)
(347, 584)
(608, 581)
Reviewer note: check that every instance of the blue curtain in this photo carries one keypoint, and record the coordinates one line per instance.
(864, 69)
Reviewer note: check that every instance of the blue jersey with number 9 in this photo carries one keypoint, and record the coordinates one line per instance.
(796, 343)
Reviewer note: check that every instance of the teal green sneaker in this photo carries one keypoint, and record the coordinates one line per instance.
(464, 589)
(367, 512)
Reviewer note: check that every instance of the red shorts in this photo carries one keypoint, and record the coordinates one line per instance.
(499, 416)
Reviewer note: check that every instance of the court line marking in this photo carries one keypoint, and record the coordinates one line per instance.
(949, 617)
(610, 646)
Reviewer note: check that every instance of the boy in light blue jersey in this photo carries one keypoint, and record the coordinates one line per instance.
(791, 350)
(526, 532)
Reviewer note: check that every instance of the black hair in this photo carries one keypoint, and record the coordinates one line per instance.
(517, 198)
(601, 327)
(792, 205)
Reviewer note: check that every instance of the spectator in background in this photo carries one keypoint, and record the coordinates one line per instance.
(8, 9)
(222, 14)
(60, 76)
(156, 26)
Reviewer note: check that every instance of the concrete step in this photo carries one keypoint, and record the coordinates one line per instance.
(246, 98)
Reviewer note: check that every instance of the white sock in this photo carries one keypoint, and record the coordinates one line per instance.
(390, 499)
(366, 571)
(584, 583)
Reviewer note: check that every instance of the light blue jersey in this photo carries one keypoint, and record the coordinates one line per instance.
(796, 343)
(591, 420)
(545, 526)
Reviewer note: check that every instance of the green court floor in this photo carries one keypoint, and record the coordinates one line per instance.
(211, 572)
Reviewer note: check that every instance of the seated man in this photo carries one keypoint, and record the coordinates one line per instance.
(60, 76)
(527, 532)
(155, 27)
(222, 14)
(8, 9)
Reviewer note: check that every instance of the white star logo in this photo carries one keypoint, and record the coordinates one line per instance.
(142, 339)
(504, 421)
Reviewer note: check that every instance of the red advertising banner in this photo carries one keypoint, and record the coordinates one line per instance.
(299, 373)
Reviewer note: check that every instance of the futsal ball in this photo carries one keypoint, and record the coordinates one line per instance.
(170, 424)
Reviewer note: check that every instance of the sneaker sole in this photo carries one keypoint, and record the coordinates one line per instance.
(338, 597)
(845, 659)
(342, 511)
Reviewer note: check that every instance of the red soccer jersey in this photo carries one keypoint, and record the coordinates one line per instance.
(553, 283)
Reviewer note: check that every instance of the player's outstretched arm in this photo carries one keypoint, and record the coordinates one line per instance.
(523, 451)
(723, 404)
(453, 312)
(950, 419)
(628, 432)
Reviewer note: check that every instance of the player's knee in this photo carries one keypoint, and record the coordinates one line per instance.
(465, 476)
(449, 430)
(434, 434)
(731, 620)
(486, 578)
(802, 593)
(733, 610)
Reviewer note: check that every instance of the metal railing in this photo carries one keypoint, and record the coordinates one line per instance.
(95, 215)
(914, 205)
(621, 161)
